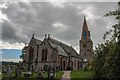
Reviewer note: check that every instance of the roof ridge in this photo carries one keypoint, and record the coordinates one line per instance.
(37, 39)
(60, 42)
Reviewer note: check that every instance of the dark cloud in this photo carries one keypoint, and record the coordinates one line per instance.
(39, 17)
(8, 32)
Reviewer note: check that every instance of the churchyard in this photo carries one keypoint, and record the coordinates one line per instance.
(15, 72)
(33, 76)
(11, 72)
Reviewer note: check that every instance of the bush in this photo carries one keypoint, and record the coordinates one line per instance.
(85, 68)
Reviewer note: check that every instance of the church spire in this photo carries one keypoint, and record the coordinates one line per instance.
(85, 30)
(85, 26)
(86, 44)
(85, 23)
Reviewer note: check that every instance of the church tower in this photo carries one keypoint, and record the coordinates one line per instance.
(86, 44)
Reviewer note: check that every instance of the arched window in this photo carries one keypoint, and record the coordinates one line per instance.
(31, 51)
(46, 51)
(84, 54)
(61, 61)
(84, 45)
(69, 62)
(84, 35)
(42, 55)
(75, 62)
(78, 64)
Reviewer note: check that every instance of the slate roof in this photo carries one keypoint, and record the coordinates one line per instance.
(38, 42)
(64, 49)
(60, 49)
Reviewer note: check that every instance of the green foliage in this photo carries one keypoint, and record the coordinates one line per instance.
(59, 74)
(85, 68)
(22, 56)
(115, 13)
(107, 55)
(81, 74)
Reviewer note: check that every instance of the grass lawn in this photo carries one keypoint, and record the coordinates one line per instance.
(59, 74)
(0, 75)
(82, 74)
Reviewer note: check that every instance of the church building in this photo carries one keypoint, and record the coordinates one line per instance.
(51, 52)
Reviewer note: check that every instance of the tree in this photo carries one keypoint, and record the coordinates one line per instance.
(22, 56)
(106, 61)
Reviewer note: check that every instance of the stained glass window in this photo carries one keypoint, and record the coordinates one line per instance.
(84, 35)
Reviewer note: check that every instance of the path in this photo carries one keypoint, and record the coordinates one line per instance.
(66, 75)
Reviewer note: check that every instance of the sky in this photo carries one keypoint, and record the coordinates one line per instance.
(62, 20)
(11, 55)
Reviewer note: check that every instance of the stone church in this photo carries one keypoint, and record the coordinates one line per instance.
(51, 52)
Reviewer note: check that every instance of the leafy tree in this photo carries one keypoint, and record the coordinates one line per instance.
(22, 56)
(107, 55)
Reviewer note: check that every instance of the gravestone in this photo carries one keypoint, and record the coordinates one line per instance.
(27, 74)
(17, 72)
(40, 74)
(49, 70)
(0, 75)
(9, 72)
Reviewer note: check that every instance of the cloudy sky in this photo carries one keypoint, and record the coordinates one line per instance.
(63, 20)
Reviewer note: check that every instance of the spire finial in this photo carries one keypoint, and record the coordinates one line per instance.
(84, 23)
(33, 36)
(45, 35)
(84, 16)
(48, 35)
